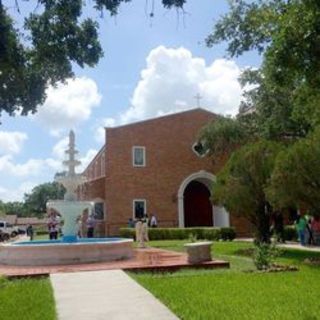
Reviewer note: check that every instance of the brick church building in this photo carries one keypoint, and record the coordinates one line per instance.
(158, 165)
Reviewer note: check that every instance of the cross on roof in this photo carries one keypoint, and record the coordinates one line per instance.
(198, 97)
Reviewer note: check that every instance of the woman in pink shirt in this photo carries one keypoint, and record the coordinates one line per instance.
(315, 227)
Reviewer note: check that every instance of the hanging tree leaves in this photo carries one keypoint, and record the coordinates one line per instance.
(57, 36)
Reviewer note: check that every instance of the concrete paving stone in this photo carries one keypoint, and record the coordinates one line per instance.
(105, 295)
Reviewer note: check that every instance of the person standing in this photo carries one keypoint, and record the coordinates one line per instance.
(301, 225)
(130, 223)
(315, 227)
(29, 231)
(145, 223)
(139, 227)
(53, 225)
(91, 223)
(153, 222)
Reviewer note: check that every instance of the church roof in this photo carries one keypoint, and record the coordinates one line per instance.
(170, 115)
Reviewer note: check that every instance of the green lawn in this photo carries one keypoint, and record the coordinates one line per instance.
(237, 293)
(27, 299)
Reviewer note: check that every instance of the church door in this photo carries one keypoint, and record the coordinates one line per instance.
(197, 205)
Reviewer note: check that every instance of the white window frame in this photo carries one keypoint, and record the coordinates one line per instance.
(133, 206)
(144, 156)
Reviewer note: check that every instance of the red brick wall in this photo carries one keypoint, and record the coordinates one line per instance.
(93, 189)
(96, 168)
(169, 160)
(242, 226)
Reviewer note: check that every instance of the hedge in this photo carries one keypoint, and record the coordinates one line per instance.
(213, 233)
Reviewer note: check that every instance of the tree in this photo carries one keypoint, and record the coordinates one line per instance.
(240, 185)
(295, 180)
(56, 36)
(222, 136)
(15, 207)
(35, 202)
(286, 92)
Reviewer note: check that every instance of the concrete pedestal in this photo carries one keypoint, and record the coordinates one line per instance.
(198, 251)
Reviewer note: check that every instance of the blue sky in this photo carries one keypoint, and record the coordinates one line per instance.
(150, 67)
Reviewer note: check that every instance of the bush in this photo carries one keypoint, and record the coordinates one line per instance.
(212, 233)
(264, 255)
(228, 234)
(290, 233)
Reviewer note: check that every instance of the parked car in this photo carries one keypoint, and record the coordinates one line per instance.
(8, 228)
(4, 236)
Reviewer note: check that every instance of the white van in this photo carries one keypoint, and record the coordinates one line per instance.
(8, 228)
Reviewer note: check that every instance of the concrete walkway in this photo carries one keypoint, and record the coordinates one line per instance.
(105, 295)
(287, 245)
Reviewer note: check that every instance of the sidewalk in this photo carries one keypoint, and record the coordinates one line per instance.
(101, 295)
(287, 245)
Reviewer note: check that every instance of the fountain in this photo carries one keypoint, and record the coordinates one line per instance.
(70, 209)
(70, 249)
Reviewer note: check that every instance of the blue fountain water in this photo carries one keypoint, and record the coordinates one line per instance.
(61, 241)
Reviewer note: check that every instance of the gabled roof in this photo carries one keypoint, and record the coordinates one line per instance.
(170, 115)
(148, 121)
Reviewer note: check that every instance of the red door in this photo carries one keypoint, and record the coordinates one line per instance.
(197, 205)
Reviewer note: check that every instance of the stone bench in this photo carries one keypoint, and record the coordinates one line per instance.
(198, 251)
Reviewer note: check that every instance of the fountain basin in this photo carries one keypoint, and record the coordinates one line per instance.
(57, 252)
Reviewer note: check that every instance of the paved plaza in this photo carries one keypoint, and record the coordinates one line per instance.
(147, 259)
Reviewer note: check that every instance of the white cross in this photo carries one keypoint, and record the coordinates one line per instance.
(198, 97)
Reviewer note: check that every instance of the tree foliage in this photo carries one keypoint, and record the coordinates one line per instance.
(296, 177)
(15, 207)
(241, 184)
(287, 34)
(222, 136)
(35, 202)
(41, 53)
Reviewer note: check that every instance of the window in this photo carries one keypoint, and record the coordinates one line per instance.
(139, 156)
(199, 149)
(99, 210)
(139, 208)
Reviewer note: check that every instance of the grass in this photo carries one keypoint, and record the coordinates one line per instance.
(27, 299)
(235, 293)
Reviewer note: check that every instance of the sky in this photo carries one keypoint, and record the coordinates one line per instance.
(151, 67)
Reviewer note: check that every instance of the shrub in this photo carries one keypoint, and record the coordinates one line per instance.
(127, 233)
(264, 255)
(207, 233)
(228, 234)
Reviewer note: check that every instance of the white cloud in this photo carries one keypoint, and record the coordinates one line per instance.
(32, 167)
(16, 194)
(60, 147)
(171, 80)
(68, 105)
(35, 171)
(86, 159)
(11, 141)
(173, 77)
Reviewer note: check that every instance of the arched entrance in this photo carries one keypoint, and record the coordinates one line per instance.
(194, 206)
(197, 205)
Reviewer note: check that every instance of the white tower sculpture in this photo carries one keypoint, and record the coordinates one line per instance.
(69, 208)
